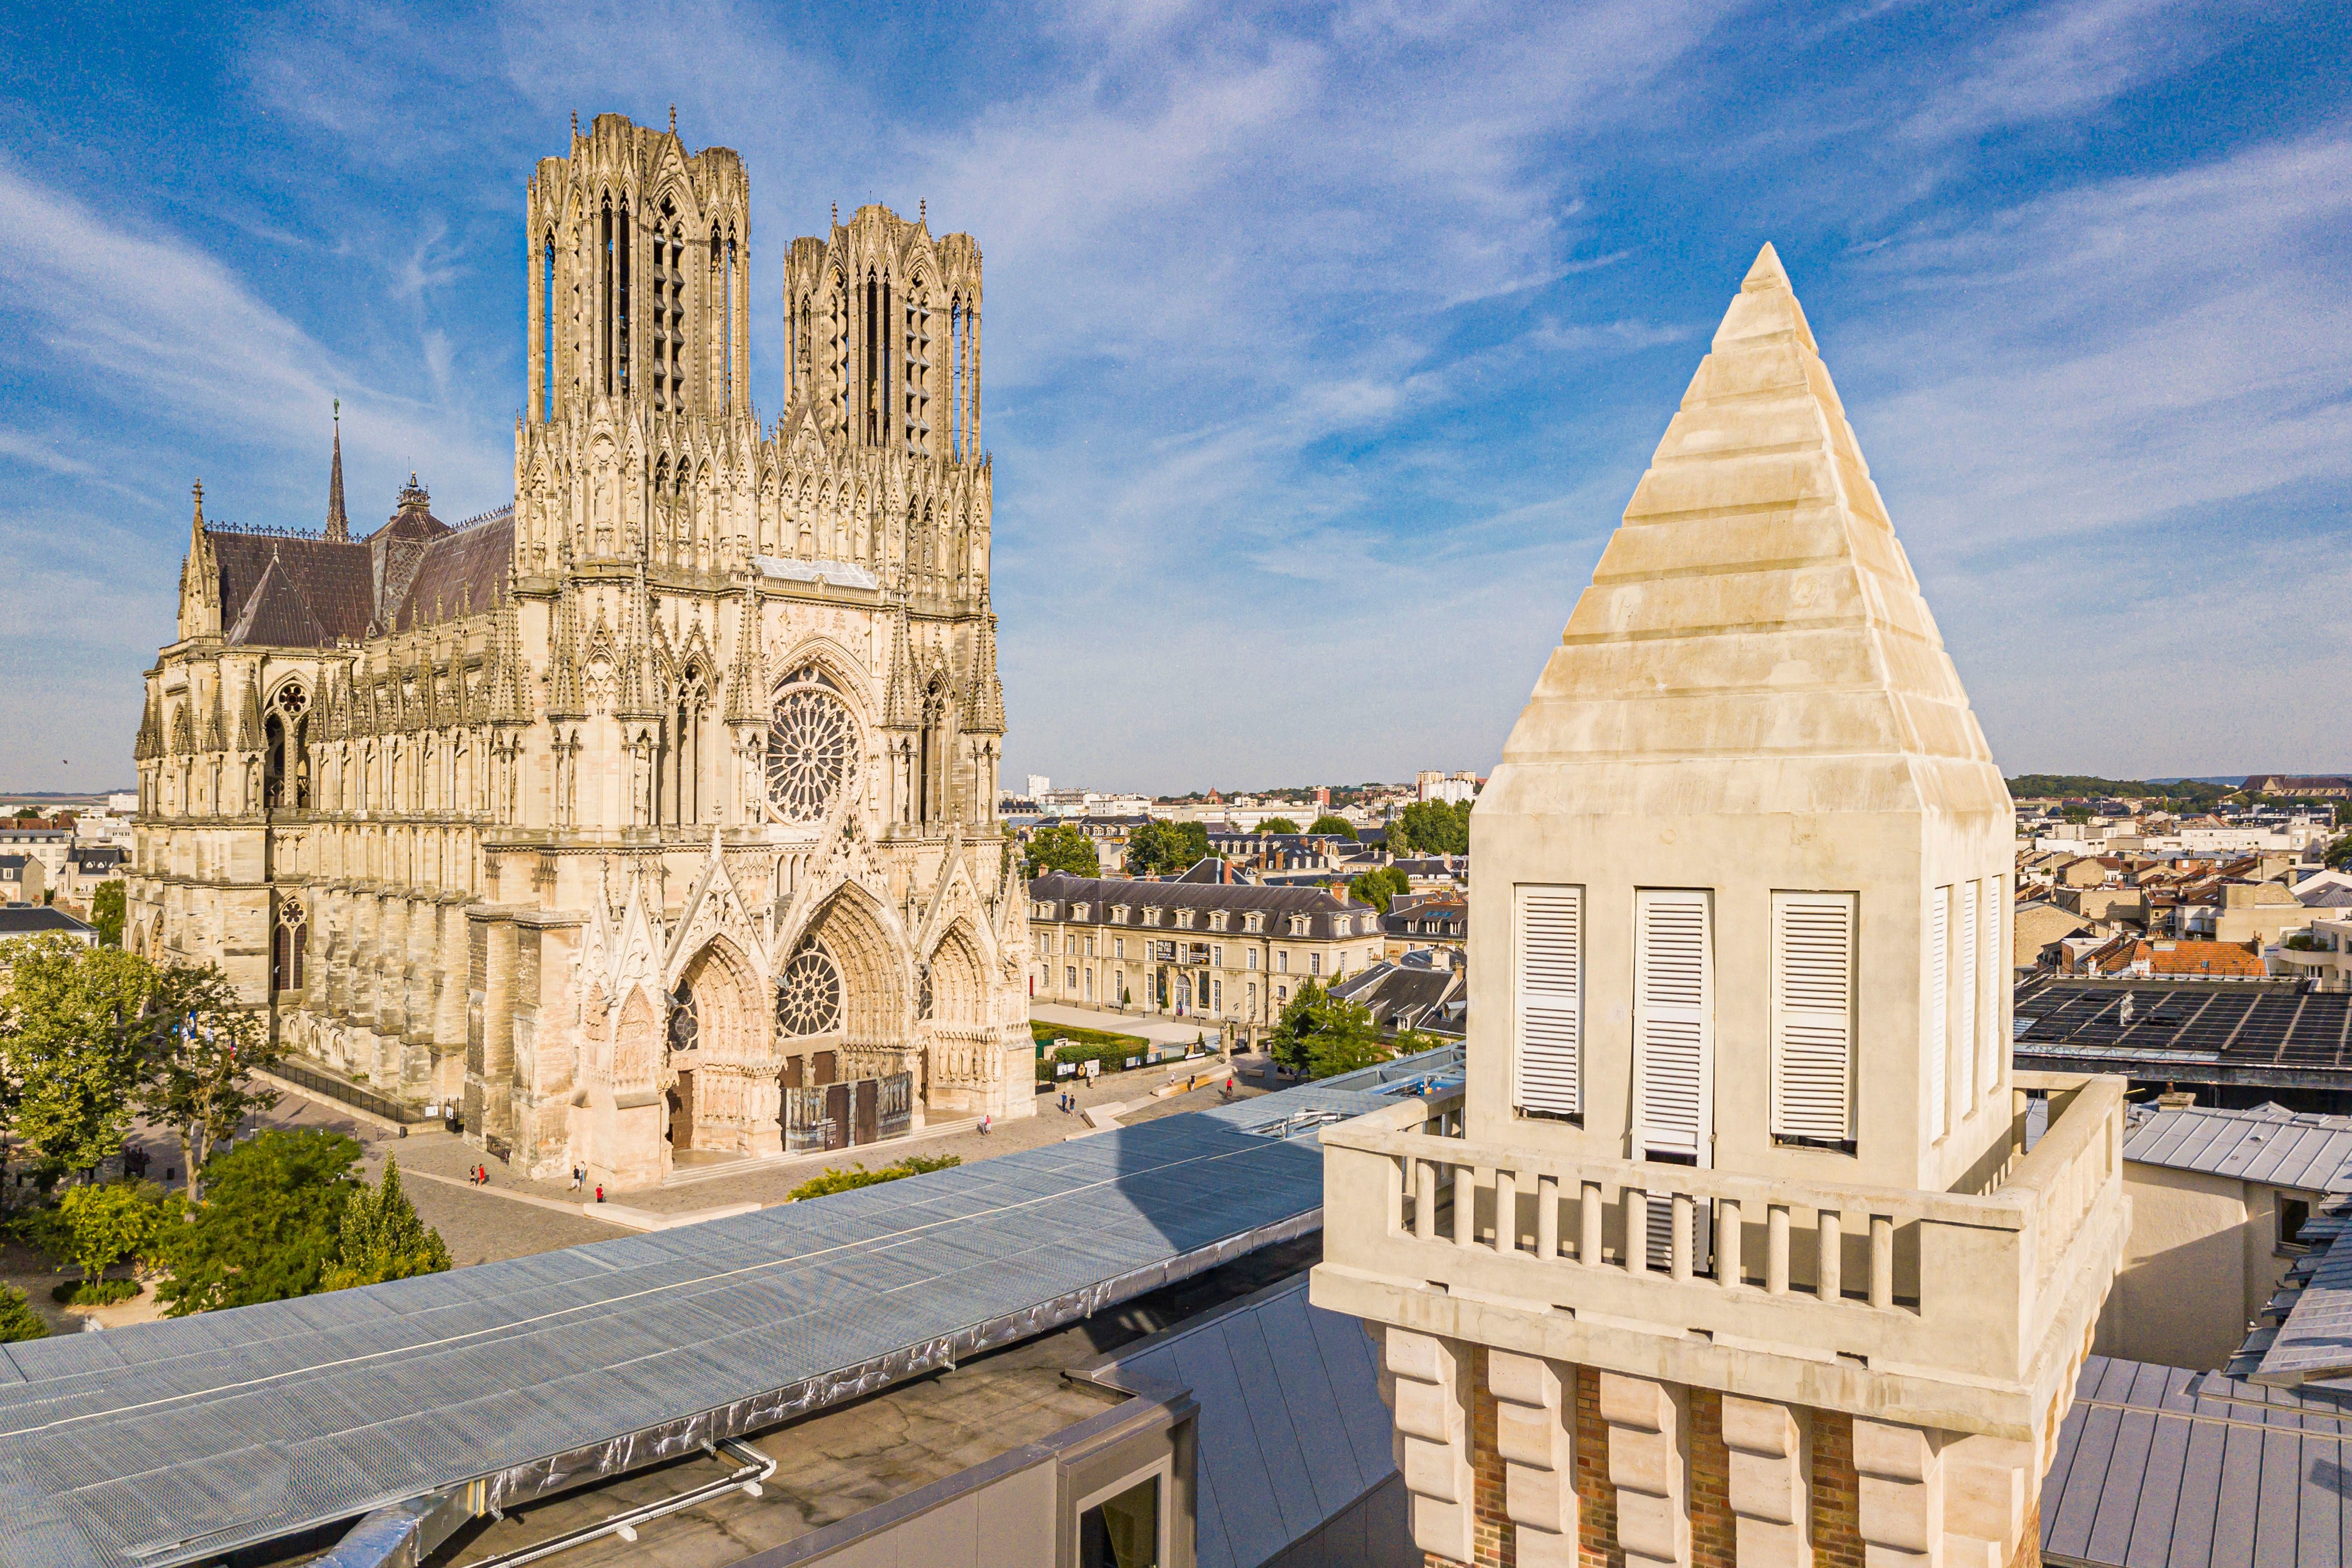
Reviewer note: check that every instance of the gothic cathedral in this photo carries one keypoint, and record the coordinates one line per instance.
(654, 811)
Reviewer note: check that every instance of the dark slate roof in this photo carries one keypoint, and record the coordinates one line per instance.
(297, 590)
(1292, 1430)
(462, 566)
(2280, 1149)
(35, 920)
(1100, 894)
(99, 856)
(1403, 996)
(2159, 1466)
(331, 578)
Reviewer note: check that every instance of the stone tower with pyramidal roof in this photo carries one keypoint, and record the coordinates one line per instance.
(1740, 1166)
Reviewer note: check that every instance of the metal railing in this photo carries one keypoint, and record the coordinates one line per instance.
(343, 1088)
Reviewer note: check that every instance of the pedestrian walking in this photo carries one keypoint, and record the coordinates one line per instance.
(600, 1192)
(579, 1177)
(984, 1122)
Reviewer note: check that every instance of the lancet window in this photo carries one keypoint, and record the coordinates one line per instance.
(285, 758)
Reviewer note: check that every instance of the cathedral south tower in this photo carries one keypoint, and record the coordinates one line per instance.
(654, 811)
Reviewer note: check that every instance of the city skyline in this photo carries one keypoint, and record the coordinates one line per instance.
(1340, 342)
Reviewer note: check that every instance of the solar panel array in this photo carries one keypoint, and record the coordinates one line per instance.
(2239, 1033)
(169, 1442)
(2157, 1466)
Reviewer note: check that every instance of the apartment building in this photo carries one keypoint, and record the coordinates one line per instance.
(1229, 954)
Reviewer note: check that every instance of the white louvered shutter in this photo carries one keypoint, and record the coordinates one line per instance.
(1674, 1030)
(1812, 1015)
(1937, 1045)
(1991, 963)
(1551, 1000)
(1966, 988)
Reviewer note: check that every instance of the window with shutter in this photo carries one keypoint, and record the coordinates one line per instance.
(1813, 1017)
(1932, 1025)
(1964, 1033)
(1991, 966)
(1674, 1026)
(1551, 1001)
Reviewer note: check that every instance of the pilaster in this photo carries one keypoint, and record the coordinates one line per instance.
(1771, 1471)
(1649, 1464)
(1430, 1394)
(1902, 1494)
(1535, 1414)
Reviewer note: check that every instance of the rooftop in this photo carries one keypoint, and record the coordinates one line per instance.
(183, 1440)
(2271, 1034)
(2276, 1146)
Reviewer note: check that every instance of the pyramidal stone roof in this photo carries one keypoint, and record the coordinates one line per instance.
(1755, 610)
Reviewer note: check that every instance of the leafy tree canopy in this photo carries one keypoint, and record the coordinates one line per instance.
(1336, 826)
(380, 1237)
(95, 1227)
(200, 1055)
(71, 1018)
(269, 1223)
(1277, 824)
(1159, 847)
(1061, 848)
(2193, 792)
(1378, 887)
(105, 911)
(18, 1321)
(1431, 827)
(834, 1179)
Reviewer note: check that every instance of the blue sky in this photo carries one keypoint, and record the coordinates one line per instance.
(1324, 342)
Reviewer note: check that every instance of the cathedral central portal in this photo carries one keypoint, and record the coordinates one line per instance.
(654, 812)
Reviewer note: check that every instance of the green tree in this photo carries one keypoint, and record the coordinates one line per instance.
(1277, 824)
(1159, 847)
(1333, 827)
(95, 1227)
(18, 1321)
(200, 1054)
(1431, 827)
(71, 1021)
(1378, 886)
(269, 1225)
(380, 1237)
(835, 1179)
(1061, 848)
(105, 911)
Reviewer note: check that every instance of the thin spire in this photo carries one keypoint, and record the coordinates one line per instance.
(339, 523)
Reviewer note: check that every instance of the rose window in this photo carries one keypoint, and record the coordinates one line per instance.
(808, 995)
(812, 752)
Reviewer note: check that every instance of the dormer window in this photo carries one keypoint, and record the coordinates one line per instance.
(1298, 924)
(1119, 915)
(1077, 911)
(1219, 921)
(1184, 920)
(1152, 914)
(1254, 922)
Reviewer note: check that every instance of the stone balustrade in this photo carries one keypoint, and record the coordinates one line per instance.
(1956, 1294)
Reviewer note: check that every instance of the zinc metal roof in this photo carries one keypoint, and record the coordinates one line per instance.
(2157, 1466)
(2280, 1149)
(170, 1442)
(1292, 1430)
(2314, 1343)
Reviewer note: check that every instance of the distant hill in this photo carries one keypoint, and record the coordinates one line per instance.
(2089, 786)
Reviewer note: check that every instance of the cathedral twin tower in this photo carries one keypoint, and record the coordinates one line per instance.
(656, 811)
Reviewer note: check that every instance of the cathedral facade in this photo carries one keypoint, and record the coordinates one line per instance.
(644, 813)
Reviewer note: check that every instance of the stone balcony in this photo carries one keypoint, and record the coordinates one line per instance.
(1967, 1312)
